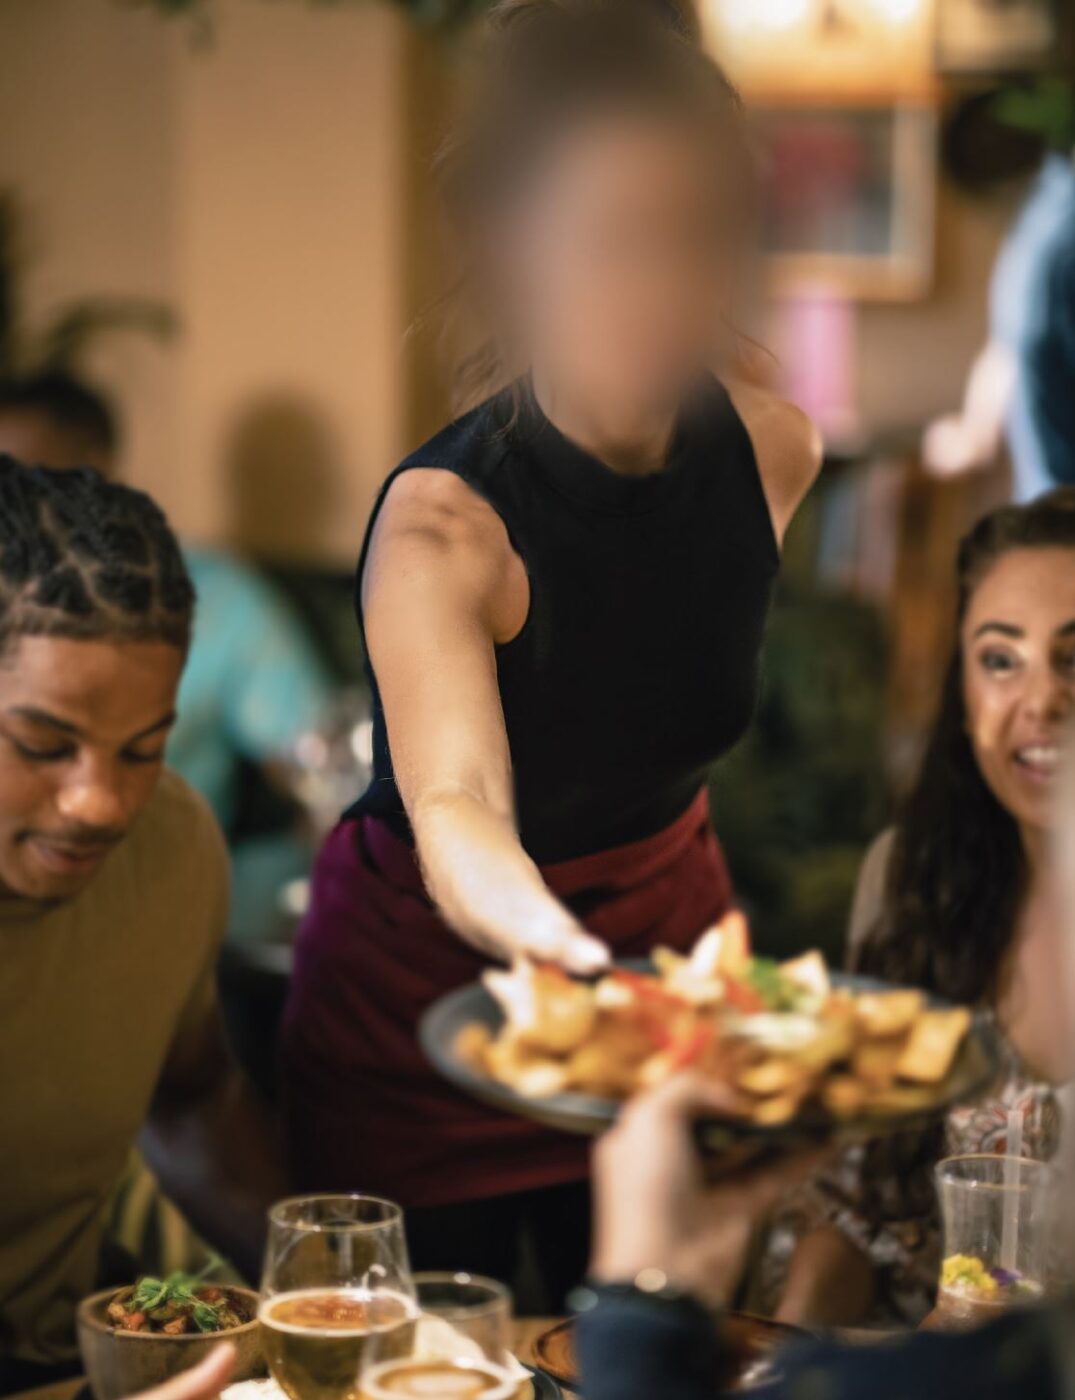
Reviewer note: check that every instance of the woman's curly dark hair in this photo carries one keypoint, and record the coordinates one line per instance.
(86, 558)
(958, 871)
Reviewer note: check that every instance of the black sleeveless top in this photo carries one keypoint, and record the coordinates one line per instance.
(637, 665)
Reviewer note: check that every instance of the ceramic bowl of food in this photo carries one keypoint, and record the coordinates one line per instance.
(139, 1336)
(750, 1352)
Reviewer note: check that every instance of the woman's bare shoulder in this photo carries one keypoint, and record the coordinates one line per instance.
(440, 506)
(787, 446)
(435, 531)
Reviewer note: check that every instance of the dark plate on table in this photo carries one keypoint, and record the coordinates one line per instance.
(751, 1346)
(545, 1385)
(975, 1068)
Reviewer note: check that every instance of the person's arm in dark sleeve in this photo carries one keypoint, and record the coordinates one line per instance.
(1049, 373)
(635, 1349)
(630, 1345)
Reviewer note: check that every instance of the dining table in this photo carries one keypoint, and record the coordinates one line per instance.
(527, 1331)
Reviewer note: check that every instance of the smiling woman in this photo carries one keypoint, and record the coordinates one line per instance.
(956, 900)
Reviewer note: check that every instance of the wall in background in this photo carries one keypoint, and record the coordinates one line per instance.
(88, 110)
(254, 184)
(272, 188)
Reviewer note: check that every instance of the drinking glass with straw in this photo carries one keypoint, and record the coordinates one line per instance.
(997, 1212)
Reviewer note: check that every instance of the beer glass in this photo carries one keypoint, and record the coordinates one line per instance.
(462, 1345)
(337, 1282)
(997, 1213)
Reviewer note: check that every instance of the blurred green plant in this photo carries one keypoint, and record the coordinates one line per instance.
(1045, 109)
(61, 341)
(799, 800)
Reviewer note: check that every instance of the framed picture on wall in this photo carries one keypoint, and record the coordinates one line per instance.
(996, 36)
(849, 197)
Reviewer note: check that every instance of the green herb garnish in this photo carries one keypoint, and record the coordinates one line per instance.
(778, 992)
(179, 1292)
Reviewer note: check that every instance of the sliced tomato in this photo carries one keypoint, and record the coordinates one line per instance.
(742, 996)
(646, 989)
(690, 1048)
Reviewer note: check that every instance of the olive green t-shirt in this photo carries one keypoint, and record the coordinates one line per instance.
(94, 993)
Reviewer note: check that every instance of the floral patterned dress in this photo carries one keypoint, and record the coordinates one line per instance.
(882, 1196)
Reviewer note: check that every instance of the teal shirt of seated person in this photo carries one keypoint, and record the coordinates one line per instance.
(253, 681)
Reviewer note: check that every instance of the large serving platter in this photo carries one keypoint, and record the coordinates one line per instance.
(975, 1068)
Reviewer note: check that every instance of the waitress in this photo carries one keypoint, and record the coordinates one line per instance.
(563, 597)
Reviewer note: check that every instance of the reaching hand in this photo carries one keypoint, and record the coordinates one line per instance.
(950, 448)
(654, 1207)
(565, 943)
(202, 1382)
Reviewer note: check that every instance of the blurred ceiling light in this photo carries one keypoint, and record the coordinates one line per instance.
(744, 15)
(896, 11)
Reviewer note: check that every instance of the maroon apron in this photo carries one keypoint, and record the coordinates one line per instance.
(365, 1109)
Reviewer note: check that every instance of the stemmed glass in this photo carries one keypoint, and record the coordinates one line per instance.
(337, 1283)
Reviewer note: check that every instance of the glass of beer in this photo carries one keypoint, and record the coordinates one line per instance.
(462, 1345)
(997, 1214)
(337, 1283)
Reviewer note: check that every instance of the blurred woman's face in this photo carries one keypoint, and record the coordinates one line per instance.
(623, 256)
(1018, 644)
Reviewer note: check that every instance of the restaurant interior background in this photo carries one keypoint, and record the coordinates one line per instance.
(236, 193)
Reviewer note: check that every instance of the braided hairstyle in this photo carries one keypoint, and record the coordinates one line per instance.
(86, 558)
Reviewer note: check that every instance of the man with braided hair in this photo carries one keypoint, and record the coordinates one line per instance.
(113, 899)
(254, 681)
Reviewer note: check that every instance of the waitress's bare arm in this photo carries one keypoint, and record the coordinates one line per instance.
(441, 588)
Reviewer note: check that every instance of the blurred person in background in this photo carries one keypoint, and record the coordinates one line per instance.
(563, 597)
(253, 683)
(1020, 389)
(954, 899)
(113, 903)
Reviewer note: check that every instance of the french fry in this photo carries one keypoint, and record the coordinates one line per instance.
(933, 1044)
(472, 1044)
(771, 1113)
(843, 1095)
(875, 1061)
(775, 1075)
(776, 1036)
(528, 1073)
(884, 1014)
(809, 972)
(545, 1008)
(834, 1041)
(667, 962)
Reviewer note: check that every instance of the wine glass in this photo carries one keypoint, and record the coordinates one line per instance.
(337, 1282)
(462, 1344)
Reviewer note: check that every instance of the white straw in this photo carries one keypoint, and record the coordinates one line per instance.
(1009, 1240)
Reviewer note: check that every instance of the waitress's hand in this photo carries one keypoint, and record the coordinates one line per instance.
(655, 1210)
(557, 938)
